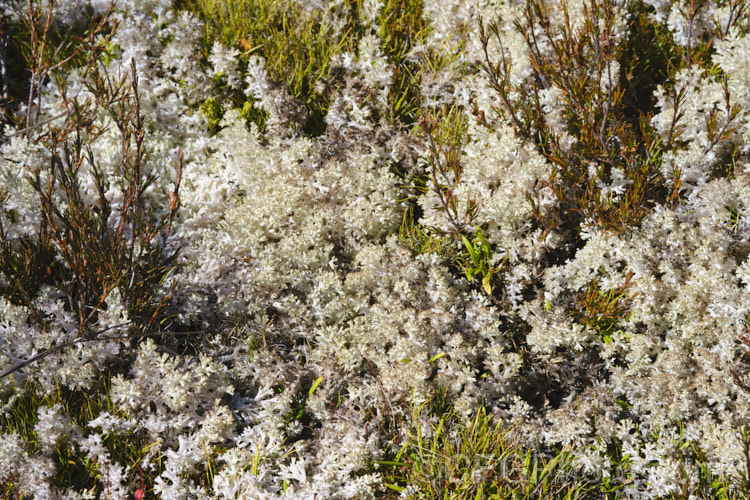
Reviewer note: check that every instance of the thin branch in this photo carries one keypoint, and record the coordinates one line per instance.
(60, 347)
(3, 68)
(37, 125)
(95, 338)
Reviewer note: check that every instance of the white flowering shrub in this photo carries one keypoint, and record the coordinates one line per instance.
(271, 249)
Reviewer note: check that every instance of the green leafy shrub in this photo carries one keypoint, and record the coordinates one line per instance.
(421, 241)
(445, 133)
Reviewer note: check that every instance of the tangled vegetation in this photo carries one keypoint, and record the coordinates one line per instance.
(374, 249)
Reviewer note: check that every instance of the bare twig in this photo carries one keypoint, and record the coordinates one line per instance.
(61, 347)
(4, 35)
(42, 59)
(97, 338)
(500, 80)
(36, 125)
(446, 173)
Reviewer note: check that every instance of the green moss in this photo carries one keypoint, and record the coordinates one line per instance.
(297, 44)
(252, 114)
(213, 112)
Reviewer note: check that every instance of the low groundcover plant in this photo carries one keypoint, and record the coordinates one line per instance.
(374, 249)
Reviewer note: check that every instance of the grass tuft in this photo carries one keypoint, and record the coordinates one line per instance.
(448, 458)
(298, 45)
(602, 310)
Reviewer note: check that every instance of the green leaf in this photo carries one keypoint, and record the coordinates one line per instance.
(392, 463)
(486, 283)
(315, 385)
(470, 249)
(469, 273)
(484, 244)
(436, 357)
